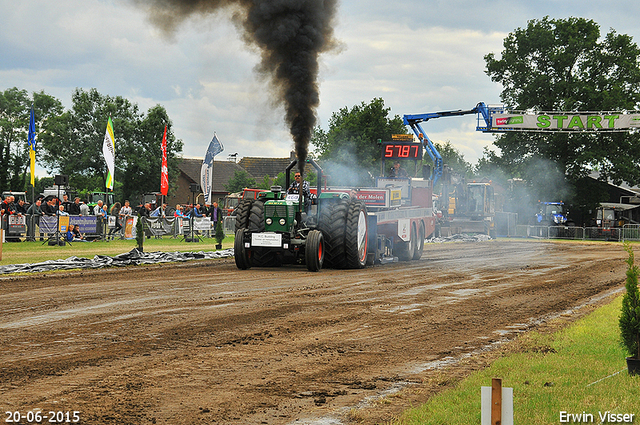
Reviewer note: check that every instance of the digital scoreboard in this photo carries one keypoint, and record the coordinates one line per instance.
(401, 150)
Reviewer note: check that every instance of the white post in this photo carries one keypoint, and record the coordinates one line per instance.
(497, 404)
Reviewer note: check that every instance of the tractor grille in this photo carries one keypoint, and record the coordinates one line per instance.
(279, 211)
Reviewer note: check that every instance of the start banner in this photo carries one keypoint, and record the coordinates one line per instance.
(562, 121)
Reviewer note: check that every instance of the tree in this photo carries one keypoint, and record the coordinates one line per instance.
(15, 107)
(71, 144)
(265, 183)
(562, 65)
(349, 150)
(454, 159)
(239, 181)
(142, 157)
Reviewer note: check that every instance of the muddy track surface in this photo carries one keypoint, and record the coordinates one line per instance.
(203, 342)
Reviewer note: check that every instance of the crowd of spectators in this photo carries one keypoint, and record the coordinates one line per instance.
(53, 206)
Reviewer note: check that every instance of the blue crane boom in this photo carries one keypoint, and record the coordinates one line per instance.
(484, 116)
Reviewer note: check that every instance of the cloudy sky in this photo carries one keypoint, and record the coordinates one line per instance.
(419, 56)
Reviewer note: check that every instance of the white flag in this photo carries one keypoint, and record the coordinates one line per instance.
(109, 152)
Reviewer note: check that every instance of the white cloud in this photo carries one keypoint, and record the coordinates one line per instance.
(419, 57)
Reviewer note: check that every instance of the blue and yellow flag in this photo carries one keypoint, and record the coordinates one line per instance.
(31, 140)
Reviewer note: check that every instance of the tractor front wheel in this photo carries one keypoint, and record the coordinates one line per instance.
(314, 251)
(240, 253)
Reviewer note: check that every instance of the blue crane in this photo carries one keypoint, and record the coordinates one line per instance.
(484, 117)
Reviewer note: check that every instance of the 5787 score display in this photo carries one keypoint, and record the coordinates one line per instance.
(401, 150)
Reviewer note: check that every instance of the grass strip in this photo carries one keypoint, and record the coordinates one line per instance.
(579, 370)
(36, 252)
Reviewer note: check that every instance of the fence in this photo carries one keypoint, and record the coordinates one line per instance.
(93, 227)
(628, 232)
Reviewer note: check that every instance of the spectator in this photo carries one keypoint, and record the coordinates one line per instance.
(126, 210)
(100, 214)
(77, 236)
(33, 220)
(178, 212)
(84, 209)
(61, 210)
(195, 212)
(74, 207)
(115, 211)
(145, 211)
(159, 212)
(21, 208)
(9, 206)
(98, 211)
(69, 234)
(66, 202)
(216, 214)
(49, 208)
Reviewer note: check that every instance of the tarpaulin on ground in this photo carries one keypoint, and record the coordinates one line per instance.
(133, 257)
(462, 237)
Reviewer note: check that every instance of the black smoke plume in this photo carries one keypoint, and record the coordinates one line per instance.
(290, 35)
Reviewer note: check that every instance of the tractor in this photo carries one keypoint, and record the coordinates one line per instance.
(329, 230)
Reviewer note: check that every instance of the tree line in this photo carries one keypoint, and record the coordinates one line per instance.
(69, 142)
(550, 65)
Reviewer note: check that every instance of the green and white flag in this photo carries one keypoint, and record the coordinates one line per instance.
(109, 152)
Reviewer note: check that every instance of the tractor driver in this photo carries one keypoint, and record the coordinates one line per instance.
(295, 189)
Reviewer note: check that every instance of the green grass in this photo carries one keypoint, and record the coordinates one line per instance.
(35, 252)
(578, 369)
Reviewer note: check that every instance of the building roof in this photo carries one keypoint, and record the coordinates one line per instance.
(260, 167)
(222, 172)
(632, 190)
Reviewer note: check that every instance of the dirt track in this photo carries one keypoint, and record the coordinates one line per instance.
(205, 343)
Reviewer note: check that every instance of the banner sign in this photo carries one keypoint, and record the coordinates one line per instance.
(87, 224)
(130, 227)
(64, 223)
(567, 122)
(202, 224)
(17, 224)
(158, 226)
(206, 171)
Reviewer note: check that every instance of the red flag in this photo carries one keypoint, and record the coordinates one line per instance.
(164, 177)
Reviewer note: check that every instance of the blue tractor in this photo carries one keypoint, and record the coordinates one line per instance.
(552, 214)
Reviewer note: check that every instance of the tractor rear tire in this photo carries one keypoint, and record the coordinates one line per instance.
(314, 251)
(333, 222)
(356, 235)
(242, 214)
(240, 253)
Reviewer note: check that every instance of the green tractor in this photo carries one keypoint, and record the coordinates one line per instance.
(329, 230)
